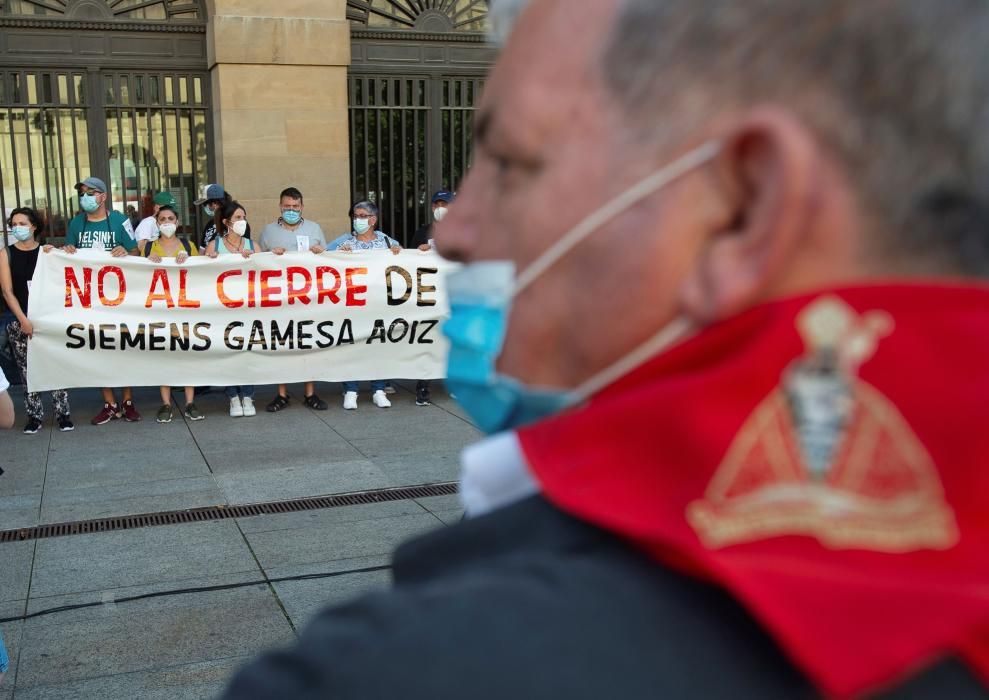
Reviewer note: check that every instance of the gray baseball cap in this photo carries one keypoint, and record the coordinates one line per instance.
(93, 183)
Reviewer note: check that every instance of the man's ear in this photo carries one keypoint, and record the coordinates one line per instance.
(764, 178)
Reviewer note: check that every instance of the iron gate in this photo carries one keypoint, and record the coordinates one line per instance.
(409, 136)
(145, 131)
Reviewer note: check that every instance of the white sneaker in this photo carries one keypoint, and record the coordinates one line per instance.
(248, 404)
(236, 408)
(350, 400)
(380, 400)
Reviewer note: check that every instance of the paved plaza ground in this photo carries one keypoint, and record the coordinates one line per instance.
(185, 645)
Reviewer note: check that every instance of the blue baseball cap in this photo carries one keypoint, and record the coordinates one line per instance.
(210, 193)
(443, 196)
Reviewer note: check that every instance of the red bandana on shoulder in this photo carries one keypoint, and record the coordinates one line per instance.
(825, 459)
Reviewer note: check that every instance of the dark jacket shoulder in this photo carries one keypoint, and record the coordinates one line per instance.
(422, 235)
(528, 602)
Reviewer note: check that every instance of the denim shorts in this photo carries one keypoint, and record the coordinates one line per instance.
(4, 659)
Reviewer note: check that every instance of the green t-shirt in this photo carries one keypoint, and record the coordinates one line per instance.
(106, 234)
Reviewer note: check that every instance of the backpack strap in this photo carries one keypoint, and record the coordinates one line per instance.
(147, 248)
(185, 244)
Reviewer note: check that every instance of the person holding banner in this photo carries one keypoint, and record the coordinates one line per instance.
(168, 245)
(231, 220)
(17, 265)
(291, 232)
(423, 240)
(99, 228)
(364, 236)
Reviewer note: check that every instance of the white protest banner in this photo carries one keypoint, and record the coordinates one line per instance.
(101, 321)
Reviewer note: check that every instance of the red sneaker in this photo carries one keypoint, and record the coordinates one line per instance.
(109, 413)
(130, 412)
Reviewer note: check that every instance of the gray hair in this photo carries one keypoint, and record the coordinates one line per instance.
(501, 18)
(369, 207)
(898, 90)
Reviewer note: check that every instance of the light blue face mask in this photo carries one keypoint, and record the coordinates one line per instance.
(361, 226)
(481, 296)
(21, 233)
(291, 216)
(210, 212)
(88, 203)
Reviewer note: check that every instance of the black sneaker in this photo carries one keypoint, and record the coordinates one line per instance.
(315, 403)
(33, 426)
(277, 404)
(422, 398)
(65, 424)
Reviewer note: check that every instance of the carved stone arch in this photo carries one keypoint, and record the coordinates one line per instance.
(419, 15)
(88, 9)
(434, 21)
(118, 10)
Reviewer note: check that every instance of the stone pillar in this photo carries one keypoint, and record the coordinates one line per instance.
(279, 83)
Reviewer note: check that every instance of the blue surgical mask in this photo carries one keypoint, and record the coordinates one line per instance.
(291, 216)
(361, 225)
(481, 296)
(209, 212)
(88, 203)
(21, 233)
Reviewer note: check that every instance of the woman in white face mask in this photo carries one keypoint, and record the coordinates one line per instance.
(170, 245)
(17, 265)
(231, 220)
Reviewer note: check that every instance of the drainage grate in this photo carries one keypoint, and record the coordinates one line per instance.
(197, 515)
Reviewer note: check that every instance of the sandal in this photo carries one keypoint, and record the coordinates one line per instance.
(316, 403)
(277, 404)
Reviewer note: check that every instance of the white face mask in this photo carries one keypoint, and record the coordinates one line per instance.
(439, 213)
(239, 227)
(167, 230)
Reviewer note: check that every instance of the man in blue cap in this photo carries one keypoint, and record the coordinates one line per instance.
(212, 197)
(423, 240)
(424, 236)
(98, 227)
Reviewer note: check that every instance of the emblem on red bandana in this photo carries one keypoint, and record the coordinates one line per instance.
(827, 455)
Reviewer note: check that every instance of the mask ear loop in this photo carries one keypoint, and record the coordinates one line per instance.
(677, 330)
(599, 218)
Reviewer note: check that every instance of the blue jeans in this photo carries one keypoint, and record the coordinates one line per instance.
(376, 385)
(246, 392)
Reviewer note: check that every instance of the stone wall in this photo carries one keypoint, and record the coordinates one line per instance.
(279, 86)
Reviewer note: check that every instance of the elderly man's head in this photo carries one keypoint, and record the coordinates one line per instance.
(852, 146)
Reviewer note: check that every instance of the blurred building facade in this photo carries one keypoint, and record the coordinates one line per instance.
(344, 99)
